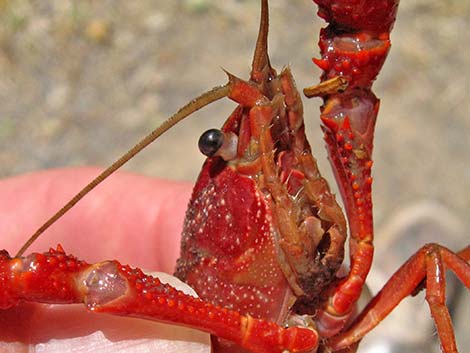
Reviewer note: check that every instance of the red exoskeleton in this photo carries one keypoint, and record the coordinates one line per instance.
(262, 201)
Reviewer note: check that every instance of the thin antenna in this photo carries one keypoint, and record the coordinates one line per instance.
(204, 99)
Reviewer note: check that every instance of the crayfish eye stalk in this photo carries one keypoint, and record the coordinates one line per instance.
(210, 142)
(215, 142)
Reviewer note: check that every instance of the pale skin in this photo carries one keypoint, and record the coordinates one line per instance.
(134, 219)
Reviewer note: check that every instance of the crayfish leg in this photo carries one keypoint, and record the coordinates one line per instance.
(429, 265)
(353, 49)
(109, 287)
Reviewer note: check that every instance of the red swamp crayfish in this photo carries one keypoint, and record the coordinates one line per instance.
(263, 240)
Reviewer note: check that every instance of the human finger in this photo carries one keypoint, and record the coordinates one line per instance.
(133, 218)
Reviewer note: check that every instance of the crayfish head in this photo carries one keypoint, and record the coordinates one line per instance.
(263, 234)
(262, 230)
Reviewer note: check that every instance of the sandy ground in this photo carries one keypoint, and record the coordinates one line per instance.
(80, 84)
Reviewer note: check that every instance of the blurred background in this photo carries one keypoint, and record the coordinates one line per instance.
(80, 82)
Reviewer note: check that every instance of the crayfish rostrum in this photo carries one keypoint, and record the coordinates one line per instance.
(263, 240)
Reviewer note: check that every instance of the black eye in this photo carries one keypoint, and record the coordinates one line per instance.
(210, 142)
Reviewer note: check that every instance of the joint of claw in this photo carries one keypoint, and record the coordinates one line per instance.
(334, 85)
(103, 284)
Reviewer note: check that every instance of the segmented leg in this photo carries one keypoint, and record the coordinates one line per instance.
(55, 277)
(353, 49)
(429, 265)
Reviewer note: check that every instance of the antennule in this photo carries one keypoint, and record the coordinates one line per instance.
(261, 65)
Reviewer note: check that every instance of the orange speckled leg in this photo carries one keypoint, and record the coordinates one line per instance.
(429, 264)
(55, 277)
(348, 116)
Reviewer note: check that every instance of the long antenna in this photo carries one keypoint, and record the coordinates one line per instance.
(204, 99)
